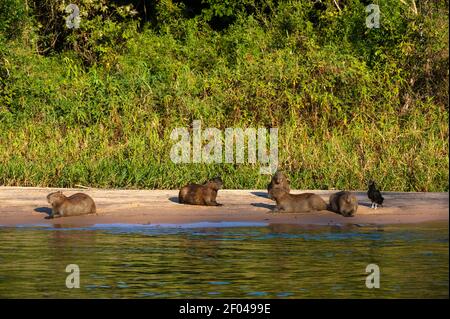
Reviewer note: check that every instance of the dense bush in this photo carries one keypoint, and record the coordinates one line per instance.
(96, 105)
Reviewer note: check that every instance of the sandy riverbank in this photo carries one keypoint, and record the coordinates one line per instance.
(28, 206)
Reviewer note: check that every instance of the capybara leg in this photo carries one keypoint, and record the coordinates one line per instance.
(53, 215)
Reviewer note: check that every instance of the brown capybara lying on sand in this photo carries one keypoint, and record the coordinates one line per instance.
(196, 194)
(297, 203)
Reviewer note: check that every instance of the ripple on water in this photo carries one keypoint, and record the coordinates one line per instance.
(219, 282)
(213, 260)
(257, 294)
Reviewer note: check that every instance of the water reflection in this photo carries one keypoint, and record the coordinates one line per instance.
(274, 261)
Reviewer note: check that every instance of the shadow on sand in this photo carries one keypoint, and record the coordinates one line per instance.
(44, 210)
(364, 204)
(262, 205)
(260, 194)
(174, 199)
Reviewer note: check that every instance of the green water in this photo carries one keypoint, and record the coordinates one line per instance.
(275, 261)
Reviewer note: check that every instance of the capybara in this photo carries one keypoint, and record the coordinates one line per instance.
(196, 194)
(77, 204)
(344, 203)
(297, 203)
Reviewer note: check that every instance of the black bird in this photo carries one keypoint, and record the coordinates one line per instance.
(374, 195)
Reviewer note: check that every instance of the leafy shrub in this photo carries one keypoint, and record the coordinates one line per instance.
(96, 105)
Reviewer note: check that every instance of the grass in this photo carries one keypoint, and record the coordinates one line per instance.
(346, 111)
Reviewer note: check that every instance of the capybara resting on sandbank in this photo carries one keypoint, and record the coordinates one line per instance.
(196, 194)
(297, 203)
(278, 181)
(75, 205)
(344, 203)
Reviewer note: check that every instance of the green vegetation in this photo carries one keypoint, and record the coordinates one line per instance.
(96, 105)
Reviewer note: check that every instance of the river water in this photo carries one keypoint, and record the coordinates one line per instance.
(241, 260)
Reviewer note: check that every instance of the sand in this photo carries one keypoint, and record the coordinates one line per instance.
(28, 206)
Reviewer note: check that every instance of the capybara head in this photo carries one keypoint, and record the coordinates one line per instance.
(349, 205)
(55, 198)
(216, 183)
(279, 178)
